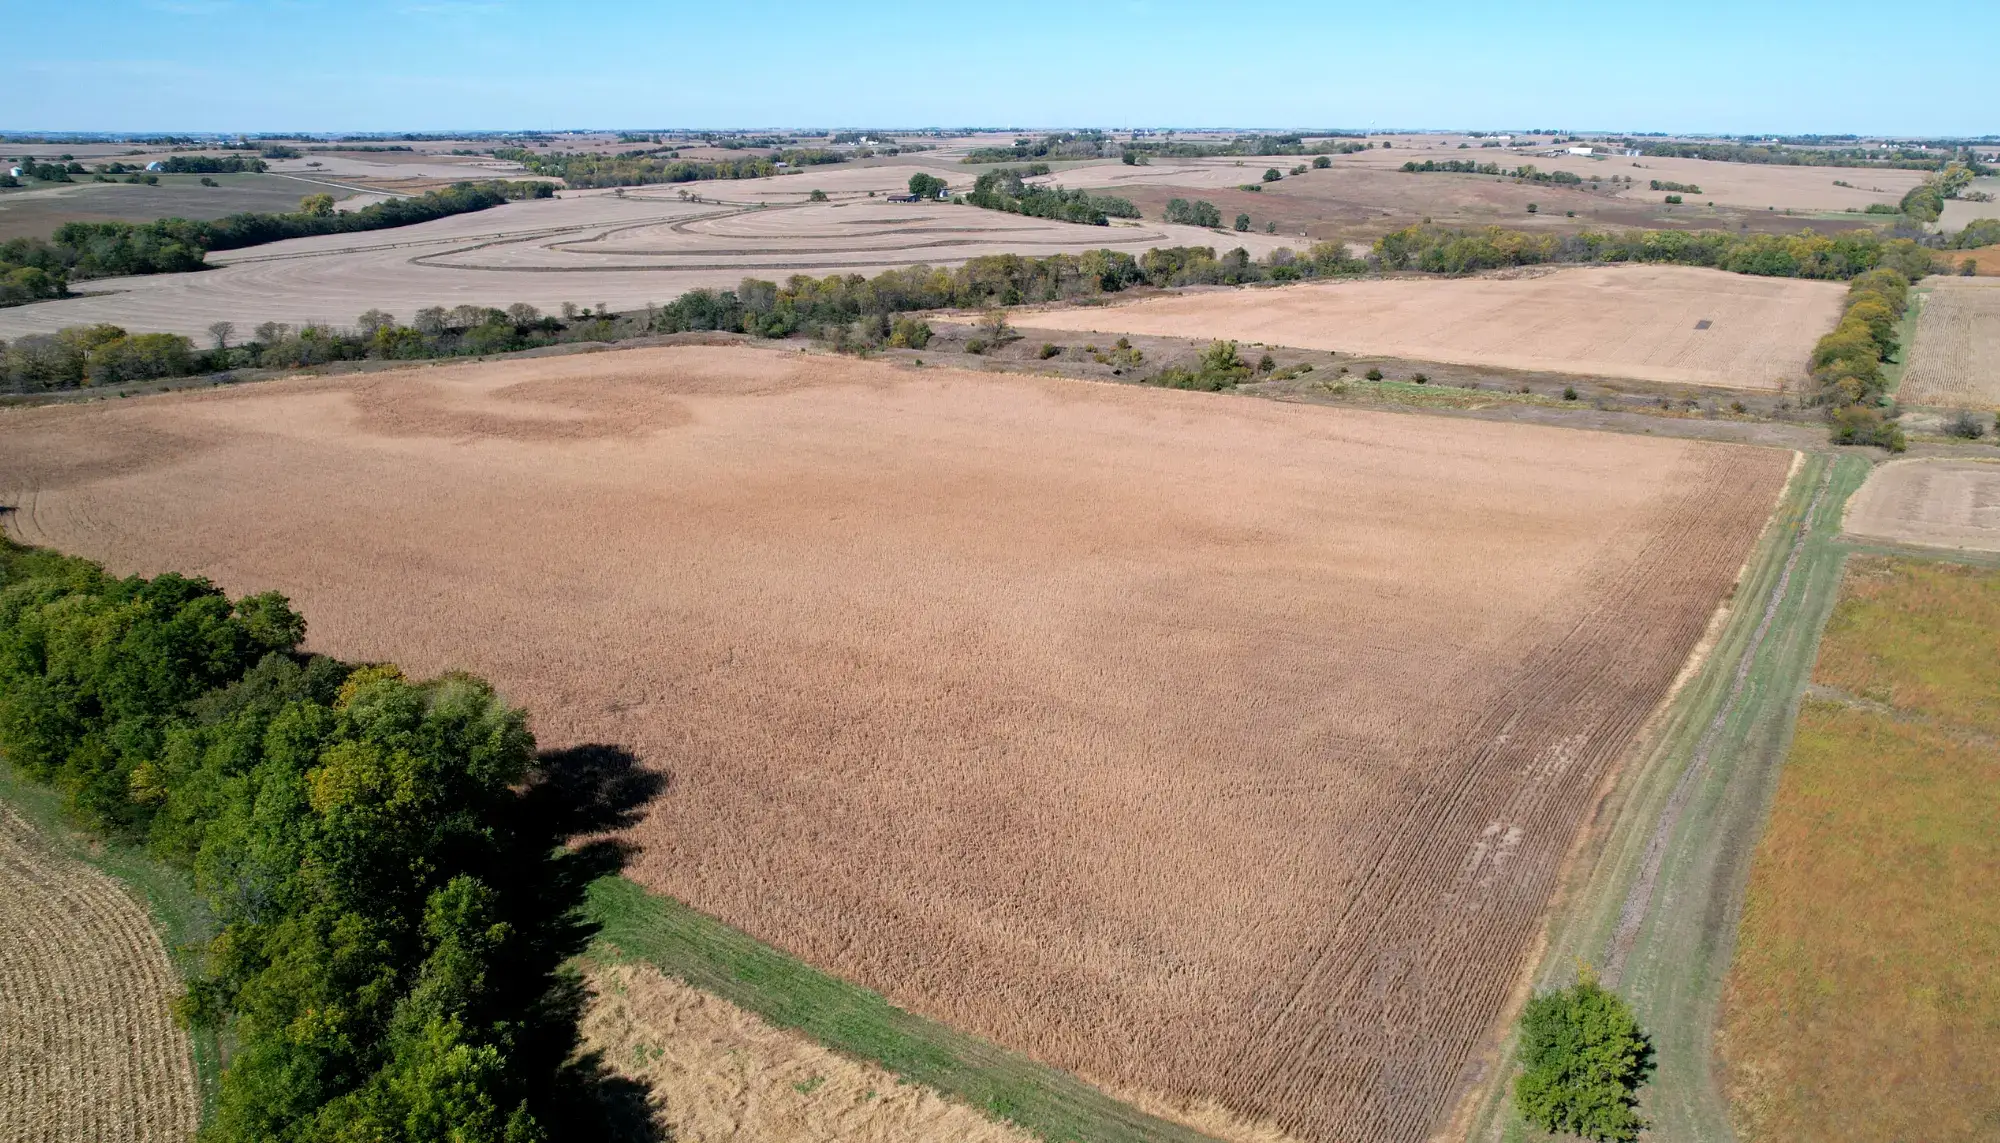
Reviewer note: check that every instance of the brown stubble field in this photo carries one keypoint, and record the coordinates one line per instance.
(1955, 356)
(1638, 322)
(1220, 749)
(89, 1050)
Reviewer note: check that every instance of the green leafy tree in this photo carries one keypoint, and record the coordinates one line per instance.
(1242, 222)
(316, 205)
(926, 186)
(1272, 174)
(1585, 1058)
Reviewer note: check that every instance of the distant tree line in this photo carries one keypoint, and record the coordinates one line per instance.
(1907, 158)
(641, 168)
(1004, 190)
(81, 250)
(1077, 145)
(1527, 171)
(97, 355)
(383, 858)
(1680, 188)
(1807, 254)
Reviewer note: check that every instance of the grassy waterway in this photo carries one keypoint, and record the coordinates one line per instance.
(1655, 897)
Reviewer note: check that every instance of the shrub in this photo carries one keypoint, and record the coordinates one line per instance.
(1966, 426)
(1266, 363)
(976, 345)
(1272, 175)
(1242, 222)
(1322, 162)
(1862, 425)
(1049, 349)
(816, 196)
(1673, 200)
(1969, 267)
(1421, 378)
(1585, 1058)
(1373, 374)
(1534, 207)
(1569, 392)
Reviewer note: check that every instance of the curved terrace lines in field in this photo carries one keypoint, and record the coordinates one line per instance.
(507, 254)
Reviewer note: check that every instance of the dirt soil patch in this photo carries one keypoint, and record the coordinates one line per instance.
(1936, 503)
(1221, 749)
(1657, 323)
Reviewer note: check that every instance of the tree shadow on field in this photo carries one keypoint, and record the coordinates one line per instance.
(575, 797)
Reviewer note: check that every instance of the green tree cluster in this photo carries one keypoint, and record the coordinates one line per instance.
(647, 168)
(106, 354)
(1004, 189)
(1807, 254)
(1584, 1059)
(172, 245)
(1217, 369)
(1977, 233)
(393, 912)
(1200, 212)
(1680, 188)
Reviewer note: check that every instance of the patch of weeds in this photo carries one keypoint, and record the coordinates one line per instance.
(809, 1086)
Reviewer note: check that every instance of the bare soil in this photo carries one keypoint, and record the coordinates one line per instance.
(1213, 748)
(1660, 323)
(1935, 503)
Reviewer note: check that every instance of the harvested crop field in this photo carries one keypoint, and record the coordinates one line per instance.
(1862, 1003)
(1642, 322)
(625, 250)
(1936, 503)
(717, 1072)
(1955, 358)
(1215, 748)
(89, 1050)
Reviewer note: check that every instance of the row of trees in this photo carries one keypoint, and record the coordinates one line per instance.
(1681, 188)
(1137, 149)
(1807, 254)
(381, 856)
(1004, 190)
(1893, 157)
(107, 355)
(80, 250)
(1847, 363)
(1527, 171)
(638, 168)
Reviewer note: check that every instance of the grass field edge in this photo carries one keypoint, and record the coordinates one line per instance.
(179, 916)
(636, 924)
(1602, 871)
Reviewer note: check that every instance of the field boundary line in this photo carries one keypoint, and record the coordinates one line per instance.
(1680, 952)
(716, 958)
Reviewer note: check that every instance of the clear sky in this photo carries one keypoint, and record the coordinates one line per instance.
(378, 65)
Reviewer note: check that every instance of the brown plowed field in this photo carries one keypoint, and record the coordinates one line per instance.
(1642, 322)
(1955, 357)
(89, 1051)
(1206, 746)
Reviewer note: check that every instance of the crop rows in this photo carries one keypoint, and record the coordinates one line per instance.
(89, 1050)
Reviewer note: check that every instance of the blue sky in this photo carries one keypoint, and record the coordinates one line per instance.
(372, 65)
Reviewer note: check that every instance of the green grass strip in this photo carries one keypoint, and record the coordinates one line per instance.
(178, 912)
(718, 959)
(1673, 976)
